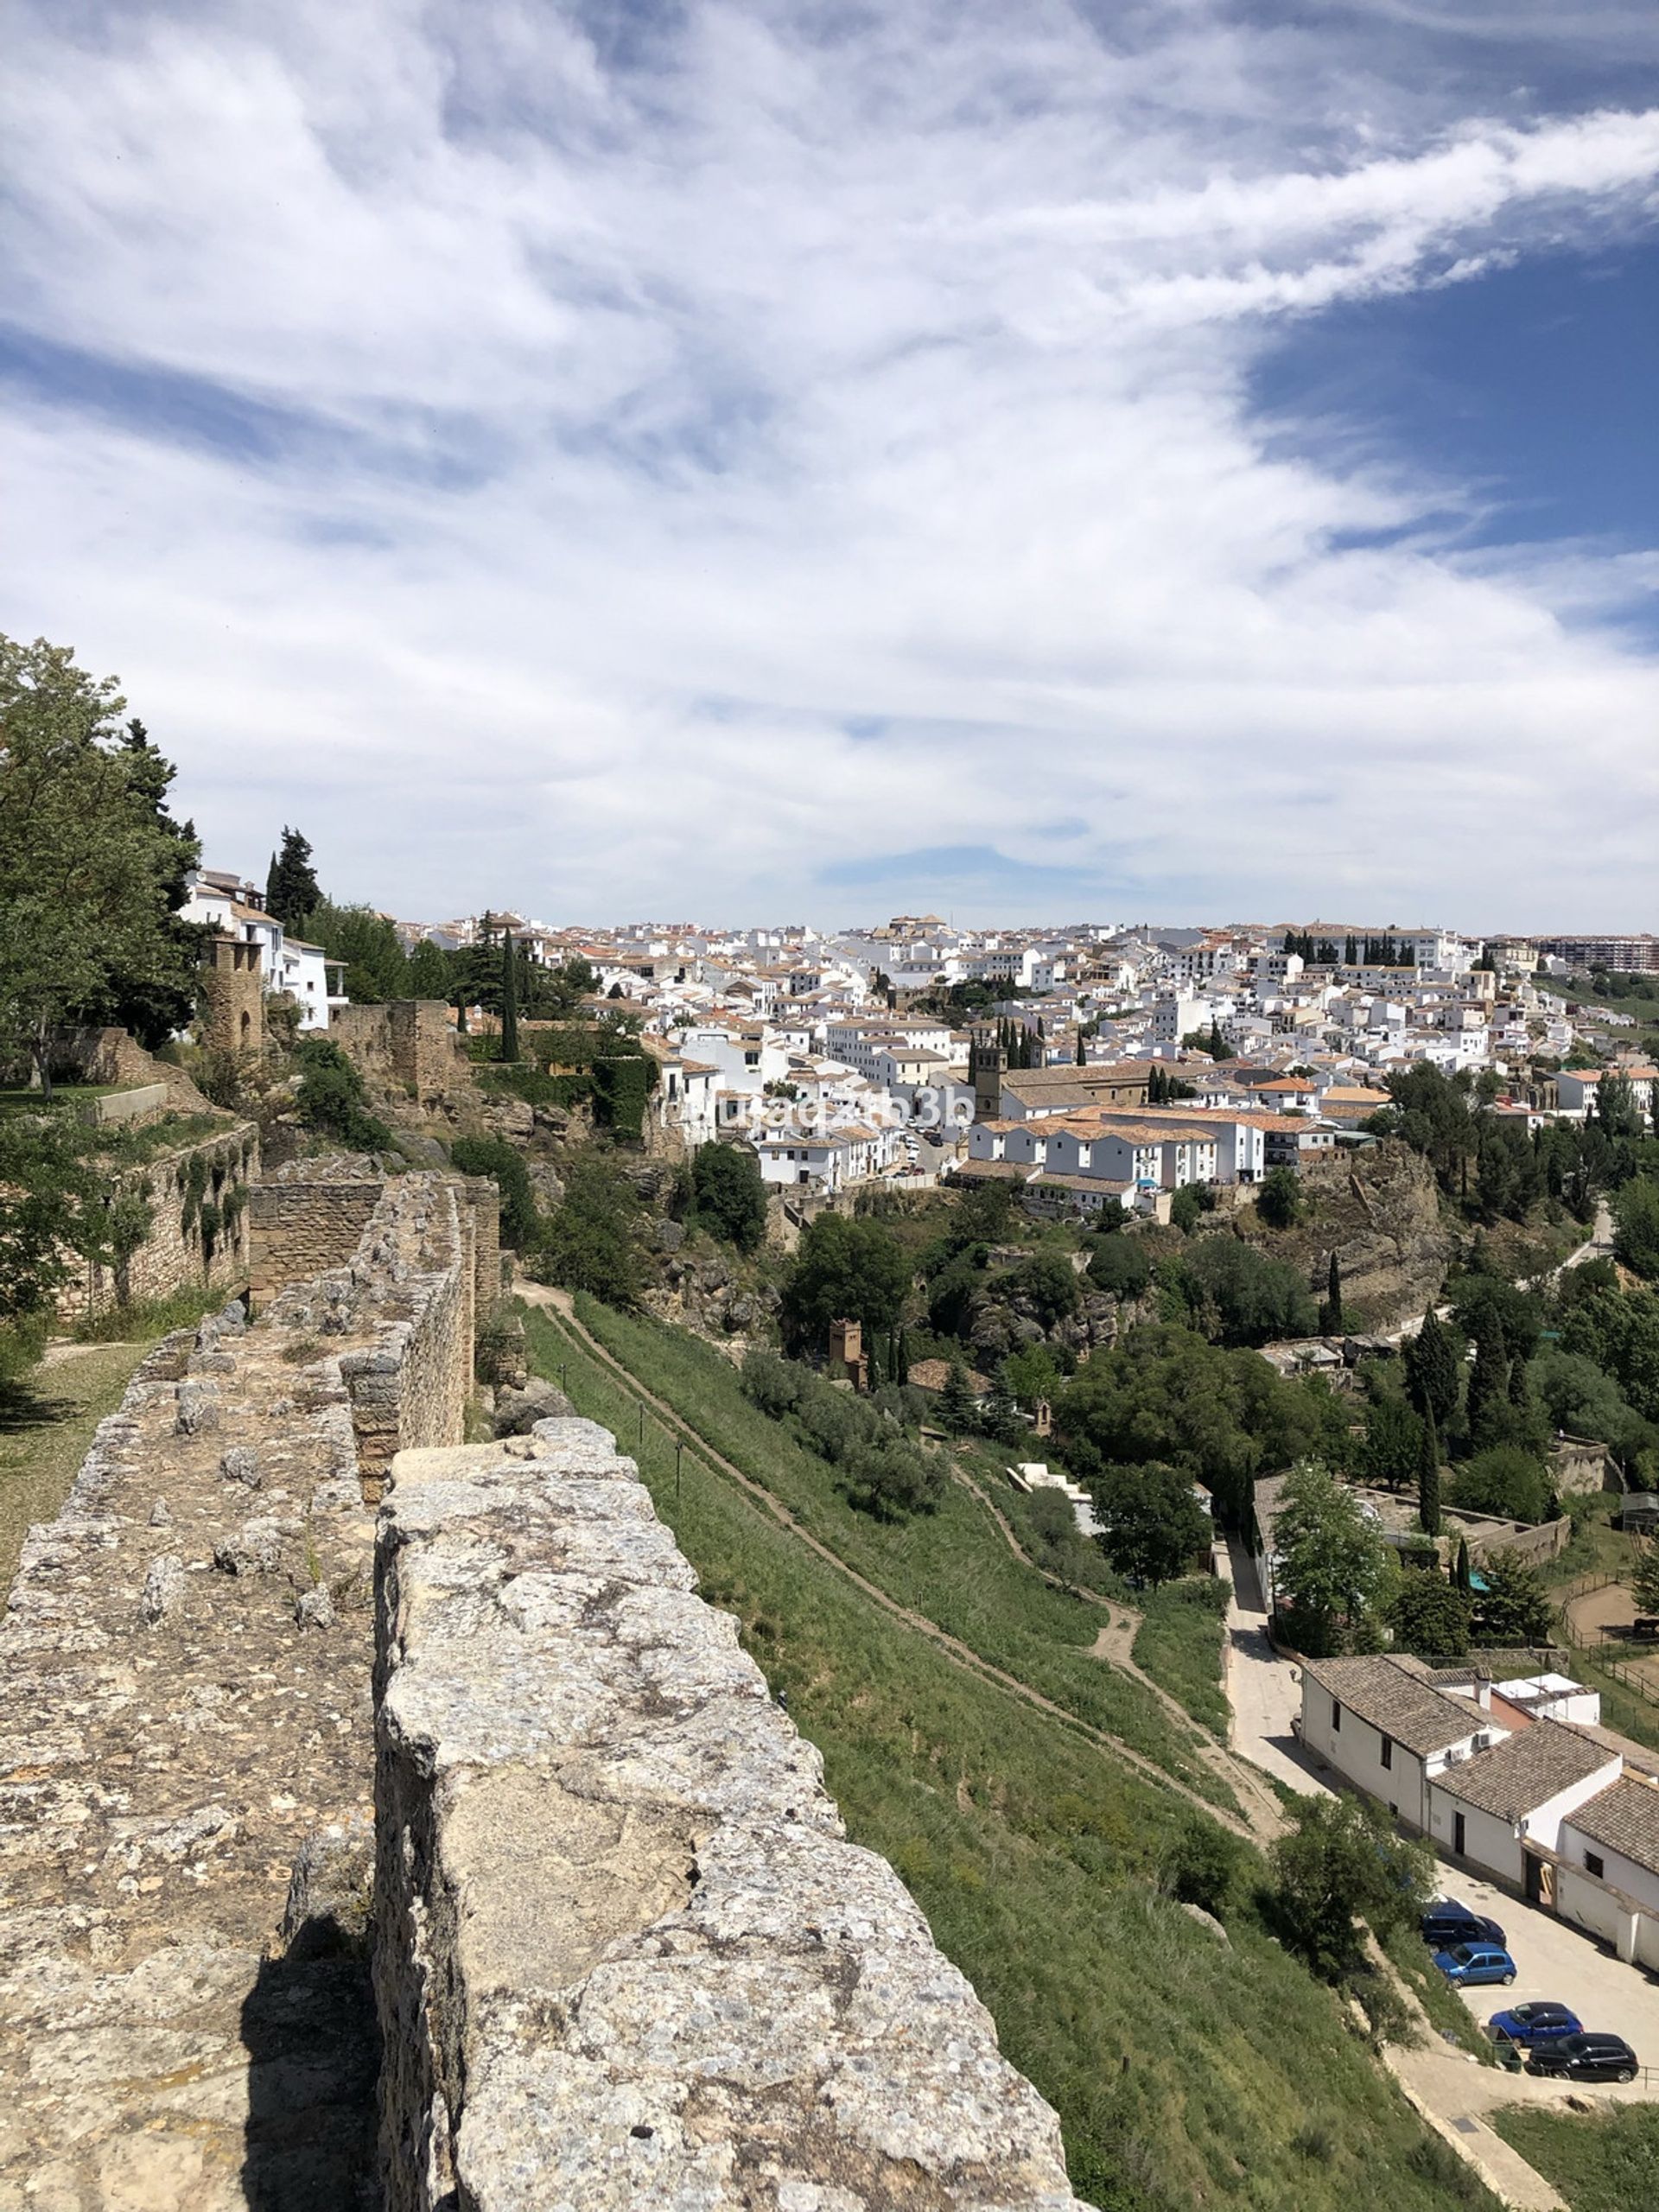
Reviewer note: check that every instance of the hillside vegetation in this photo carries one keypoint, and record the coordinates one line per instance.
(1187, 2071)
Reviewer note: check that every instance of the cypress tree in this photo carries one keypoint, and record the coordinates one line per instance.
(1489, 1383)
(509, 998)
(1461, 1573)
(901, 1358)
(1082, 1055)
(291, 888)
(1428, 1480)
(1332, 1316)
(1431, 1369)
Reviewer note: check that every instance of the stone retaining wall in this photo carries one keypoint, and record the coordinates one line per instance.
(623, 1954)
(301, 1224)
(174, 1256)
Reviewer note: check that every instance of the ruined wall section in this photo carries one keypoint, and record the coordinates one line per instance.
(407, 1045)
(200, 1196)
(185, 1753)
(307, 1217)
(624, 1955)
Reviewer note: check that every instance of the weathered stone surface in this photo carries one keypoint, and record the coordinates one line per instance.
(623, 1954)
(163, 1590)
(315, 1609)
(331, 1890)
(254, 1548)
(241, 1465)
(518, 1411)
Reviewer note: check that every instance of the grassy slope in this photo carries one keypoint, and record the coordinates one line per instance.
(951, 1565)
(46, 1426)
(1606, 2163)
(1186, 2072)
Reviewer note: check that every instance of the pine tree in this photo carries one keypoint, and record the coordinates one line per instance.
(1428, 1480)
(1331, 1318)
(956, 1410)
(509, 998)
(291, 888)
(1433, 1370)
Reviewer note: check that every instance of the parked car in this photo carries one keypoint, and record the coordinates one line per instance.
(1585, 2058)
(1534, 2024)
(1467, 1965)
(1447, 1922)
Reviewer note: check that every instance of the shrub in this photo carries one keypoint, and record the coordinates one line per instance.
(894, 1479)
(1202, 1866)
(521, 1224)
(1504, 1481)
(330, 1097)
(1119, 1266)
(774, 1384)
(729, 1194)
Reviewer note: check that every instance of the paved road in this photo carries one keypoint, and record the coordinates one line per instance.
(1264, 1691)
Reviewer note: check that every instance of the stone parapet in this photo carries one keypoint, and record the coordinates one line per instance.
(624, 1955)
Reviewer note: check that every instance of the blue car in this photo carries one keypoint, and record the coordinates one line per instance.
(1534, 2024)
(1465, 1965)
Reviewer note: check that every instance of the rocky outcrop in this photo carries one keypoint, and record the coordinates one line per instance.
(624, 1955)
(1381, 1212)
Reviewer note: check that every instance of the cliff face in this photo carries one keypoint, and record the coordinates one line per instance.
(1381, 1212)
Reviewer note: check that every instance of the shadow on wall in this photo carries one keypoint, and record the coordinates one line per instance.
(313, 2060)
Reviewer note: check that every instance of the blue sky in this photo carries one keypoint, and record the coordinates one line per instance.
(756, 459)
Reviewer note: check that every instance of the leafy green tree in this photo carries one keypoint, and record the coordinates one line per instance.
(1636, 1226)
(1341, 1865)
(1048, 1282)
(509, 998)
(1331, 1555)
(1428, 1617)
(1119, 1266)
(1433, 1370)
(1238, 1295)
(894, 1480)
(774, 1384)
(1644, 1582)
(1001, 1419)
(521, 1224)
(956, 1410)
(154, 1007)
(1514, 1608)
(376, 966)
(1393, 1450)
(1204, 1866)
(1488, 1384)
(844, 1270)
(729, 1194)
(292, 891)
(427, 973)
(1504, 1481)
(330, 1097)
(1617, 1111)
(89, 863)
(49, 1198)
(588, 1242)
(1278, 1199)
(1152, 1526)
(1030, 1374)
(1428, 1479)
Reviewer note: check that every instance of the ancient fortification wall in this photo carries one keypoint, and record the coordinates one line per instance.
(306, 1218)
(200, 1196)
(623, 1955)
(409, 1044)
(186, 1749)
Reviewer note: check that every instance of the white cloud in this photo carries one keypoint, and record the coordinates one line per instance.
(624, 428)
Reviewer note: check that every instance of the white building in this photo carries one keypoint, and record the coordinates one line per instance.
(288, 964)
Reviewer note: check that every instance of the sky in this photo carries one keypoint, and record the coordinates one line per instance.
(794, 461)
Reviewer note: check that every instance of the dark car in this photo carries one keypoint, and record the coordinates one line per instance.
(1544, 2022)
(1447, 1923)
(1585, 2058)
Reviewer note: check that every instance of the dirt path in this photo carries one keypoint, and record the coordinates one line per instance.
(1116, 1645)
(58, 1355)
(560, 1303)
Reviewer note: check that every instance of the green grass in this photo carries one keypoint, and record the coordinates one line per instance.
(1608, 2162)
(951, 1564)
(146, 1319)
(1178, 1644)
(46, 1421)
(1186, 2073)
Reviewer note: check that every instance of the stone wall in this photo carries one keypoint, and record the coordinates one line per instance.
(623, 1954)
(185, 1753)
(306, 1218)
(408, 1045)
(111, 1055)
(176, 1254)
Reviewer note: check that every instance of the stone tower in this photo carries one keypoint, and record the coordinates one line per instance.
(988, 1063)
(234, 990)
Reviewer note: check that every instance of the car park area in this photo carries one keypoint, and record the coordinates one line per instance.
(1554, 1960)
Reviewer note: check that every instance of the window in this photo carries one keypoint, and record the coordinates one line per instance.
(1593, 1863)
(1388, 1750)
(1336, 1718)
(1457, 1835)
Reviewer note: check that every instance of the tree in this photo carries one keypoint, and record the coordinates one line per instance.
(1239, 1295)
(330, 1096)
(588, 1242)
(1331, 1319)
(1343, 1864)
(901, 1358)
(1428, 1479)
(1119, 1266)
(1504, 1481)
(1082, 1052)
(844, 1270)
(1428, 1616)
(521, 1222)
(1514, 1607)
(1280, 1198)
(89, 862)
(1152, 1525)
(729, 1194)
(1644, 1582)
(428, 975)
(1431, 1369)
(368, 947)
(292, 891)
(894, 1479)
(1048, 1282)
(1617, 1111)
(47, 1198)
(1203, 1866)
(509, 998)
(1393, 1449)
(1635, 1230)
(152, 1009)
(1489, 1382)
(1331, 1555)
(1001, 1419)
(956, 1409)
